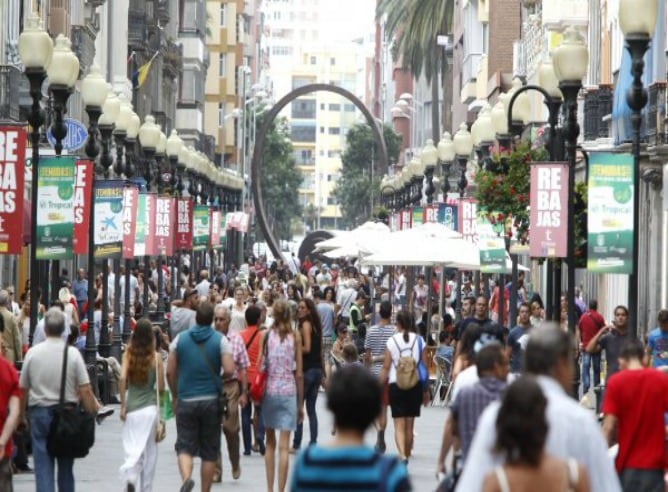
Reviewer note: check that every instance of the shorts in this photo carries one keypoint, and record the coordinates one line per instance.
(198, 429)
(405, 403)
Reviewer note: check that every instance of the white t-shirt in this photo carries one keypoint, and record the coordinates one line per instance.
(237, 319)
(468, 377)
(134, 285)
(399, 348)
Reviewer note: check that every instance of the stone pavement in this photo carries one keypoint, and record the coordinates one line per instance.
(98, 472)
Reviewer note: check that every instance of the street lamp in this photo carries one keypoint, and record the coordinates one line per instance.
(35, 49)
(94, 94)
(637, 20)
(483, 136)
(463, 144)
(429, 158)
(416, 177)
(131, 132)
(570, 62)
(446, 154)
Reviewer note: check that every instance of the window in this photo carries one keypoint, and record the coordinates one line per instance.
(222, 64)
(335, 130)
(281, 50)
(221, 114)
(322, 129)
(298, 82)
(332, 61)
(303, 108)
(335, 107)
(322, 106)
(302, 132)
(223, 14)
(485, 38)
(331, 200)
(333, 153)
(349, 108)
(313, 60)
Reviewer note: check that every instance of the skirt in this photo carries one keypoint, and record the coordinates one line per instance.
(405, 403)
(280, 412)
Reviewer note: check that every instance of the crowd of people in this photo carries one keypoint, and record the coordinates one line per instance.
(244, 354)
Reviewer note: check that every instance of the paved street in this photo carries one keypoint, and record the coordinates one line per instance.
(99, 471)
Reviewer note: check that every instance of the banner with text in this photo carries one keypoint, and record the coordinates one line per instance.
(12, 188)
(610, 213)
(492, 247)
(548, 234)
(108, 227)
(200, 227)
(214, 232)
(130, 199)
(406, 219)
(151, 243)
(164, 224)
(55, 208)
(223, 230)
(417, 217)
(467, 220)
(184, 222)
(447, 215)
(83, 185)
(140, 226)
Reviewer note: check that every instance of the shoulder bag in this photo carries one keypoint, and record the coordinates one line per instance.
(72, 430)
(222, 397)
(258, 385)
(160, 426)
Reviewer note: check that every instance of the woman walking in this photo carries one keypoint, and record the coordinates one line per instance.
(282, 405)
(140, 373)
(404, 403)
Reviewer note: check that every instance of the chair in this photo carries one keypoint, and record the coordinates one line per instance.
(442, 386)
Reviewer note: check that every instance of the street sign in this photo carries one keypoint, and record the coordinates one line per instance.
(75, 138)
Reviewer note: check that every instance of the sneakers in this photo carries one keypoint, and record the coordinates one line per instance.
(103, 413)
(188, 485)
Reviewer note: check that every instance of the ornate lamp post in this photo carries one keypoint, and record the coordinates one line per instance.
(174, 147)
(94, 94)
(637, 20)
(131, 133)
(429, 158)
(483, 135)
(446, 155)
(463, 144)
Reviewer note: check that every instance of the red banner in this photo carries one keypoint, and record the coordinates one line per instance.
(214, 229)
(151, 243)
(184, 224)
(468, 219)
(430, 213)
(549, 209)
(164, 223)
(406, 216)
(130, 196)
(12, 164)
(83, 184)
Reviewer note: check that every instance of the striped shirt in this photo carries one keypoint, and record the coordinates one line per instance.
(376, 341)
(357, 468)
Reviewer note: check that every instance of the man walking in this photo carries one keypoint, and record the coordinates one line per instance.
(11, 336)
(235, 387)
(374, 354)
(657, 341)
(573, 431)
(326, 315)
(611, 338)
(80, 291)
(590, 323)
(183, 312)
(196, 358)
(636, 399)
(517, 339)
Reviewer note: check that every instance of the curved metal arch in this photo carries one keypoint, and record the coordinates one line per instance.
(256, 163)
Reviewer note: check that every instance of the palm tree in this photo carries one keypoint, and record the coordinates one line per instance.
(415, 26)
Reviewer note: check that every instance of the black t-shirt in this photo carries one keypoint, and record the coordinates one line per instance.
(461, 325)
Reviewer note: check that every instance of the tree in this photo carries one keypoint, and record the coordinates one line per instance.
(415, 26)
(280, 179)
(359, 185)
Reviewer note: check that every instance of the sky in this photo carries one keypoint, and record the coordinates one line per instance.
(344, 20)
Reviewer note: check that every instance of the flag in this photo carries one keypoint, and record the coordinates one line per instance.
(139, 77)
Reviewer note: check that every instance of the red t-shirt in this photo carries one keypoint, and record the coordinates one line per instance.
(590, 323)
(638, 398)
(253, 349)
(9, 386)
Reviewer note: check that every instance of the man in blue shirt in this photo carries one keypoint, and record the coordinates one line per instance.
(518, 338)
(80, 290)
(657, 341)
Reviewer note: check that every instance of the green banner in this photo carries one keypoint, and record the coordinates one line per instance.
(610, 213)
(492, 247)
(418, 215)
(200, 227)
(108, 219)
(55, 208)
(223, 230)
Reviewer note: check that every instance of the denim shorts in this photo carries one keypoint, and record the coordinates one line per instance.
(198, 429)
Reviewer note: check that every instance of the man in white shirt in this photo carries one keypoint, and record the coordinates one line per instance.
(203, 286)
(574, 432)
(134, 289)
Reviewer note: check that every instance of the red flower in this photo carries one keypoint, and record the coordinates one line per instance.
(499, 217)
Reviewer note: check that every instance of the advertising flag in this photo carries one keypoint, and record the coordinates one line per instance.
(130, 199)
(548, 235)
(108, 228)
(223, 230)
(164, 222)
(55, 208)
(151, 245)
(447, 215)
(417, 218)
(492, 247)
(140, 226)
(83, 185)
(12, 188)
(200, 227)
(467, 219)
(610, 213)
(214, 232)
(184, 223)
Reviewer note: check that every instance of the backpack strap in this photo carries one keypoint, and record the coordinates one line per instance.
(502, 479)
(573, 473)
(63, 375)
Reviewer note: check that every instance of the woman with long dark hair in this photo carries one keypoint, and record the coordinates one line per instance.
(310, 330)
(140, 373)
(521, 433)
(404, 402)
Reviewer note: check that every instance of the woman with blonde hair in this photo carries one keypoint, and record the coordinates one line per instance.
(283, 401)
(140, 373)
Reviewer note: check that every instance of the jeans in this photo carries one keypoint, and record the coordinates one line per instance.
(635, 480)
(247, 425)
(587, 361)
(312, 379)
(40, 422)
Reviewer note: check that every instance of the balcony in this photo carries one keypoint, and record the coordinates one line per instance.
(83, 45)
(137, 33)
(10, 80)
(655, 115)
(597, 105)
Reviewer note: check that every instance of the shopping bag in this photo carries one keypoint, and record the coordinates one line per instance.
(166, 411)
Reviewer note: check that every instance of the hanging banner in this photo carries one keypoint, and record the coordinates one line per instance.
(140, 226)
(492, 247)
(55, 208)
(214, 231)
(447, 215)
(610, 213)
(223, 230)
(430, 213)
(12, 188)
(548, 234)
(130, 199)
(83, 185)
(108, 227)
(184, 221)
(405, 219)
(230, 221)
(164, 223)
(467, 220)
(200, 227)
(418, 216)
(244, 222)
(151, 243)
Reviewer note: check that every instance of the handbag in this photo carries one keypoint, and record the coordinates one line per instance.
(422, 370)
(259, 384)
(72, 430)
(222, 397)
(160, 426)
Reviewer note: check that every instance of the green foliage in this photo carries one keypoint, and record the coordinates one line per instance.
(280, 179)
(580, 224)
(355, 191)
